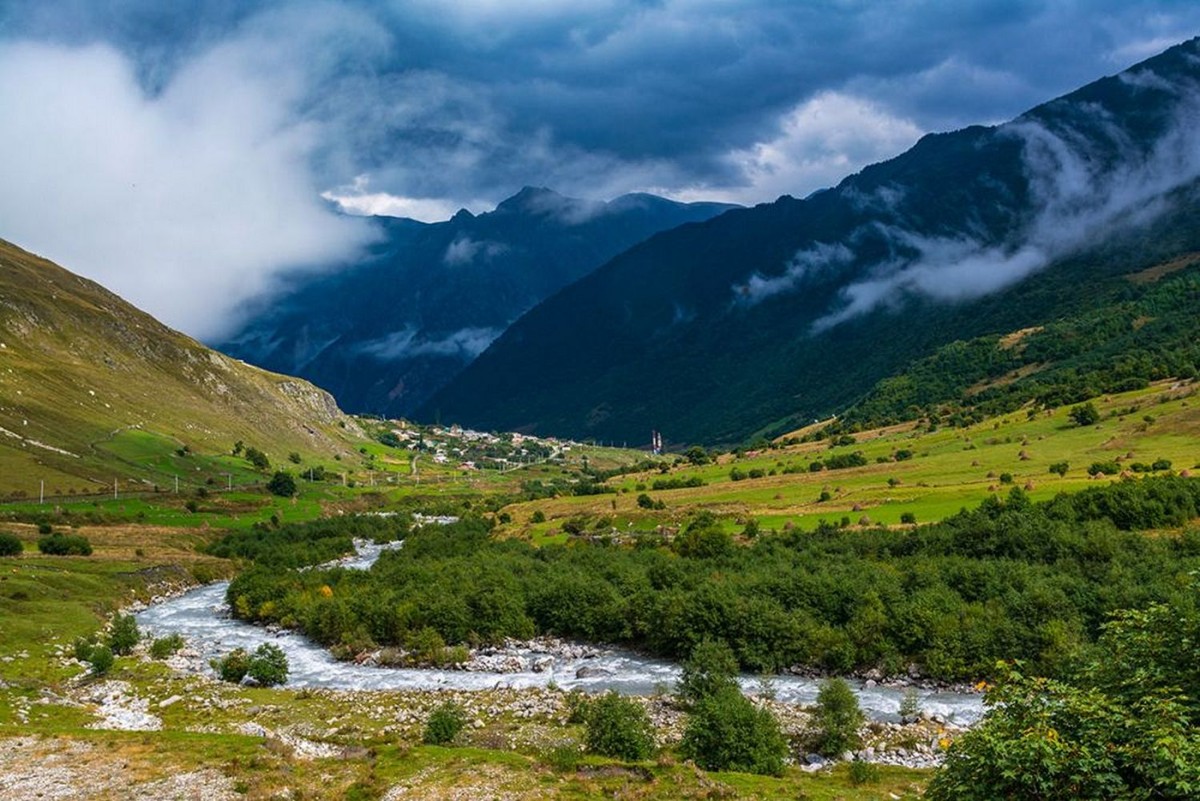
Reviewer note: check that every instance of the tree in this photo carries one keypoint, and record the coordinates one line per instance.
(257, 458)
(234, 666)
(725, 731)
(618, 727)
(1085, 414)
(837, 717)
(710, 668)
(1127, 725)
(101, 659)
(282, 484)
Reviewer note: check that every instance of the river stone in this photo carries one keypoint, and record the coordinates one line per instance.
(591, 671)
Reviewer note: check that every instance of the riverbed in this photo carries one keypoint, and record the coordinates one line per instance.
(202, 618)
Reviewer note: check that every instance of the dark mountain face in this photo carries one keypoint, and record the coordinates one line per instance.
(788, 311)
(384, 334)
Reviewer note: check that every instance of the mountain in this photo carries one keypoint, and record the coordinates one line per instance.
(384, 334)
(762, 319)
(92, 390)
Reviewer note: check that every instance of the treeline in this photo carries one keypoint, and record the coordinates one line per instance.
(1009, 579)
(1150, 333)
(293, 545)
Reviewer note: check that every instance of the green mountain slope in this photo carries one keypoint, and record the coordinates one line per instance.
(92, 390)
(763, 319)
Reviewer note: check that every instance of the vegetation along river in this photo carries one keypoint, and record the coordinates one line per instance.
(202, 617)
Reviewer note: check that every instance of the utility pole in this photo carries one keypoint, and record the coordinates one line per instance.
(176, 485)
(114, 489)
(42, 493)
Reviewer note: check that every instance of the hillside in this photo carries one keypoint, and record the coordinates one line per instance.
(92, 390)
(764, 319)
(384, 334)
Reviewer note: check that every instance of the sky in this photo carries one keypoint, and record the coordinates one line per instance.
(193, 156)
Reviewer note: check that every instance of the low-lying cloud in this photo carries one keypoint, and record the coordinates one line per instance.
(186, 202)
(409, 342)
(1088, 176)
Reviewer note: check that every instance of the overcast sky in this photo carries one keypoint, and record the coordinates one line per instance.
(191, 155)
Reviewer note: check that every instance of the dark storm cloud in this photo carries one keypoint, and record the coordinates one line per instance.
(420, 106)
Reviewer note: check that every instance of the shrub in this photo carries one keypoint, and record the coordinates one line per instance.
(444, 724)
(1107, 468)
(65, 545)
(282, 484)
(563, 758)
(1060, 468)
(837, 717)
(910, 706)
(618, 727)
(710, 668)
(163, 647)
(82, 648)
(234, 666)
(727, 732)
(101, 659)
(540, 517)
(44, 528)
(124, 635)
(908, 518)
(10, 545)
(1086, 414)
(268, 666)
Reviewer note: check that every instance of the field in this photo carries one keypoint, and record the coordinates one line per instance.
(949, 469)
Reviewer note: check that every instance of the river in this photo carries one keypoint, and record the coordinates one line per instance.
(202, 617)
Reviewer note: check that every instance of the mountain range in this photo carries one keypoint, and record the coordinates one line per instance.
(762, 319)
(387, 332)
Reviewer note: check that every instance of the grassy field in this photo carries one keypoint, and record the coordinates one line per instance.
(949, 469)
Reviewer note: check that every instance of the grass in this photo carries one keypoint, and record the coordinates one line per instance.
(950, 469)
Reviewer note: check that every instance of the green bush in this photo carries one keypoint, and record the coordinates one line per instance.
(282, 484)
(726, 731)
(268, 666)
(234, 666)
(1107, 468)
(444, 724)
(10, 545)
(57, 544)
(837, 718)
(124, 635)
(1085, 414)
(710, 668)
(82, 648)
(863, 773)
(618, 727)
(101, 659)
(563, 758)
(163, 647)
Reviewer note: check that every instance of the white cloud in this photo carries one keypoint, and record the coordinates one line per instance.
(187, 202)
(358, 199)
(820, 142)
(466, 344)
(464, 250)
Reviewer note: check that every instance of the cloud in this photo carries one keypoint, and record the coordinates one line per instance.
(820, 142)
(356, 198)
(186, 202)
(1087, 175)
(465, 344)
(464, 250)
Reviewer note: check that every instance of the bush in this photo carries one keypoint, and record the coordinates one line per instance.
(727, 732)
(1060, 468)
(10, 545)
(908, 518)
(444, 724)
(538, 517)
(124, 635)
(710, 668)
(65, 545)
(282, 484)
(234, 666)
(82, 648)
(837, 717)
(618, 727)
(1085, 414)
(269, 666)
(1107, 468)
(44, 528)
(165, 646)
(563, 758)
(102, 660)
